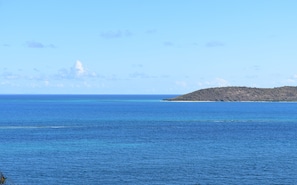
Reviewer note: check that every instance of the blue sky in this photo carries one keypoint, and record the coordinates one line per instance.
(145, 47)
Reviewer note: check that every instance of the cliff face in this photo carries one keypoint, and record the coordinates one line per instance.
(286, 93)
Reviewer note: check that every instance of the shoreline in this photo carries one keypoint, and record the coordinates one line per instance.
(193, 101)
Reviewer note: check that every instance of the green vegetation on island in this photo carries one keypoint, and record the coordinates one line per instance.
(281, 94)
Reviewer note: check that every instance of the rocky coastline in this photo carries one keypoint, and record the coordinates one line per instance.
(232, 94)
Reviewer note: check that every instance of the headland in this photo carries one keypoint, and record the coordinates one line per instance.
(232, 94)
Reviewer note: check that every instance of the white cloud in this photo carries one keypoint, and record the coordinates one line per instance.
(181, 84)
(217, 82)
(10, 76)
(221, 82)
(292, 80)
(79, 69)
(75, 76)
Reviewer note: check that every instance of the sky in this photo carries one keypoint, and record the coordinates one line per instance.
(145, 47)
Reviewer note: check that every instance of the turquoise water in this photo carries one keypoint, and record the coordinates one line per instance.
(139, 139)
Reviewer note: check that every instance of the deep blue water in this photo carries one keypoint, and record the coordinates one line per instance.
(129, 139)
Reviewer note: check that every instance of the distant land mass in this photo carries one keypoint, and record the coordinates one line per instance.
(230, 94)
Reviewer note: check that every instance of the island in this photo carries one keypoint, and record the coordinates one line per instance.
(233, 94)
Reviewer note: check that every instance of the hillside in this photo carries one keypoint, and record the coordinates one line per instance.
(287, 93)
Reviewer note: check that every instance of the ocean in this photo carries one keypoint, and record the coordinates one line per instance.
(140, 139)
